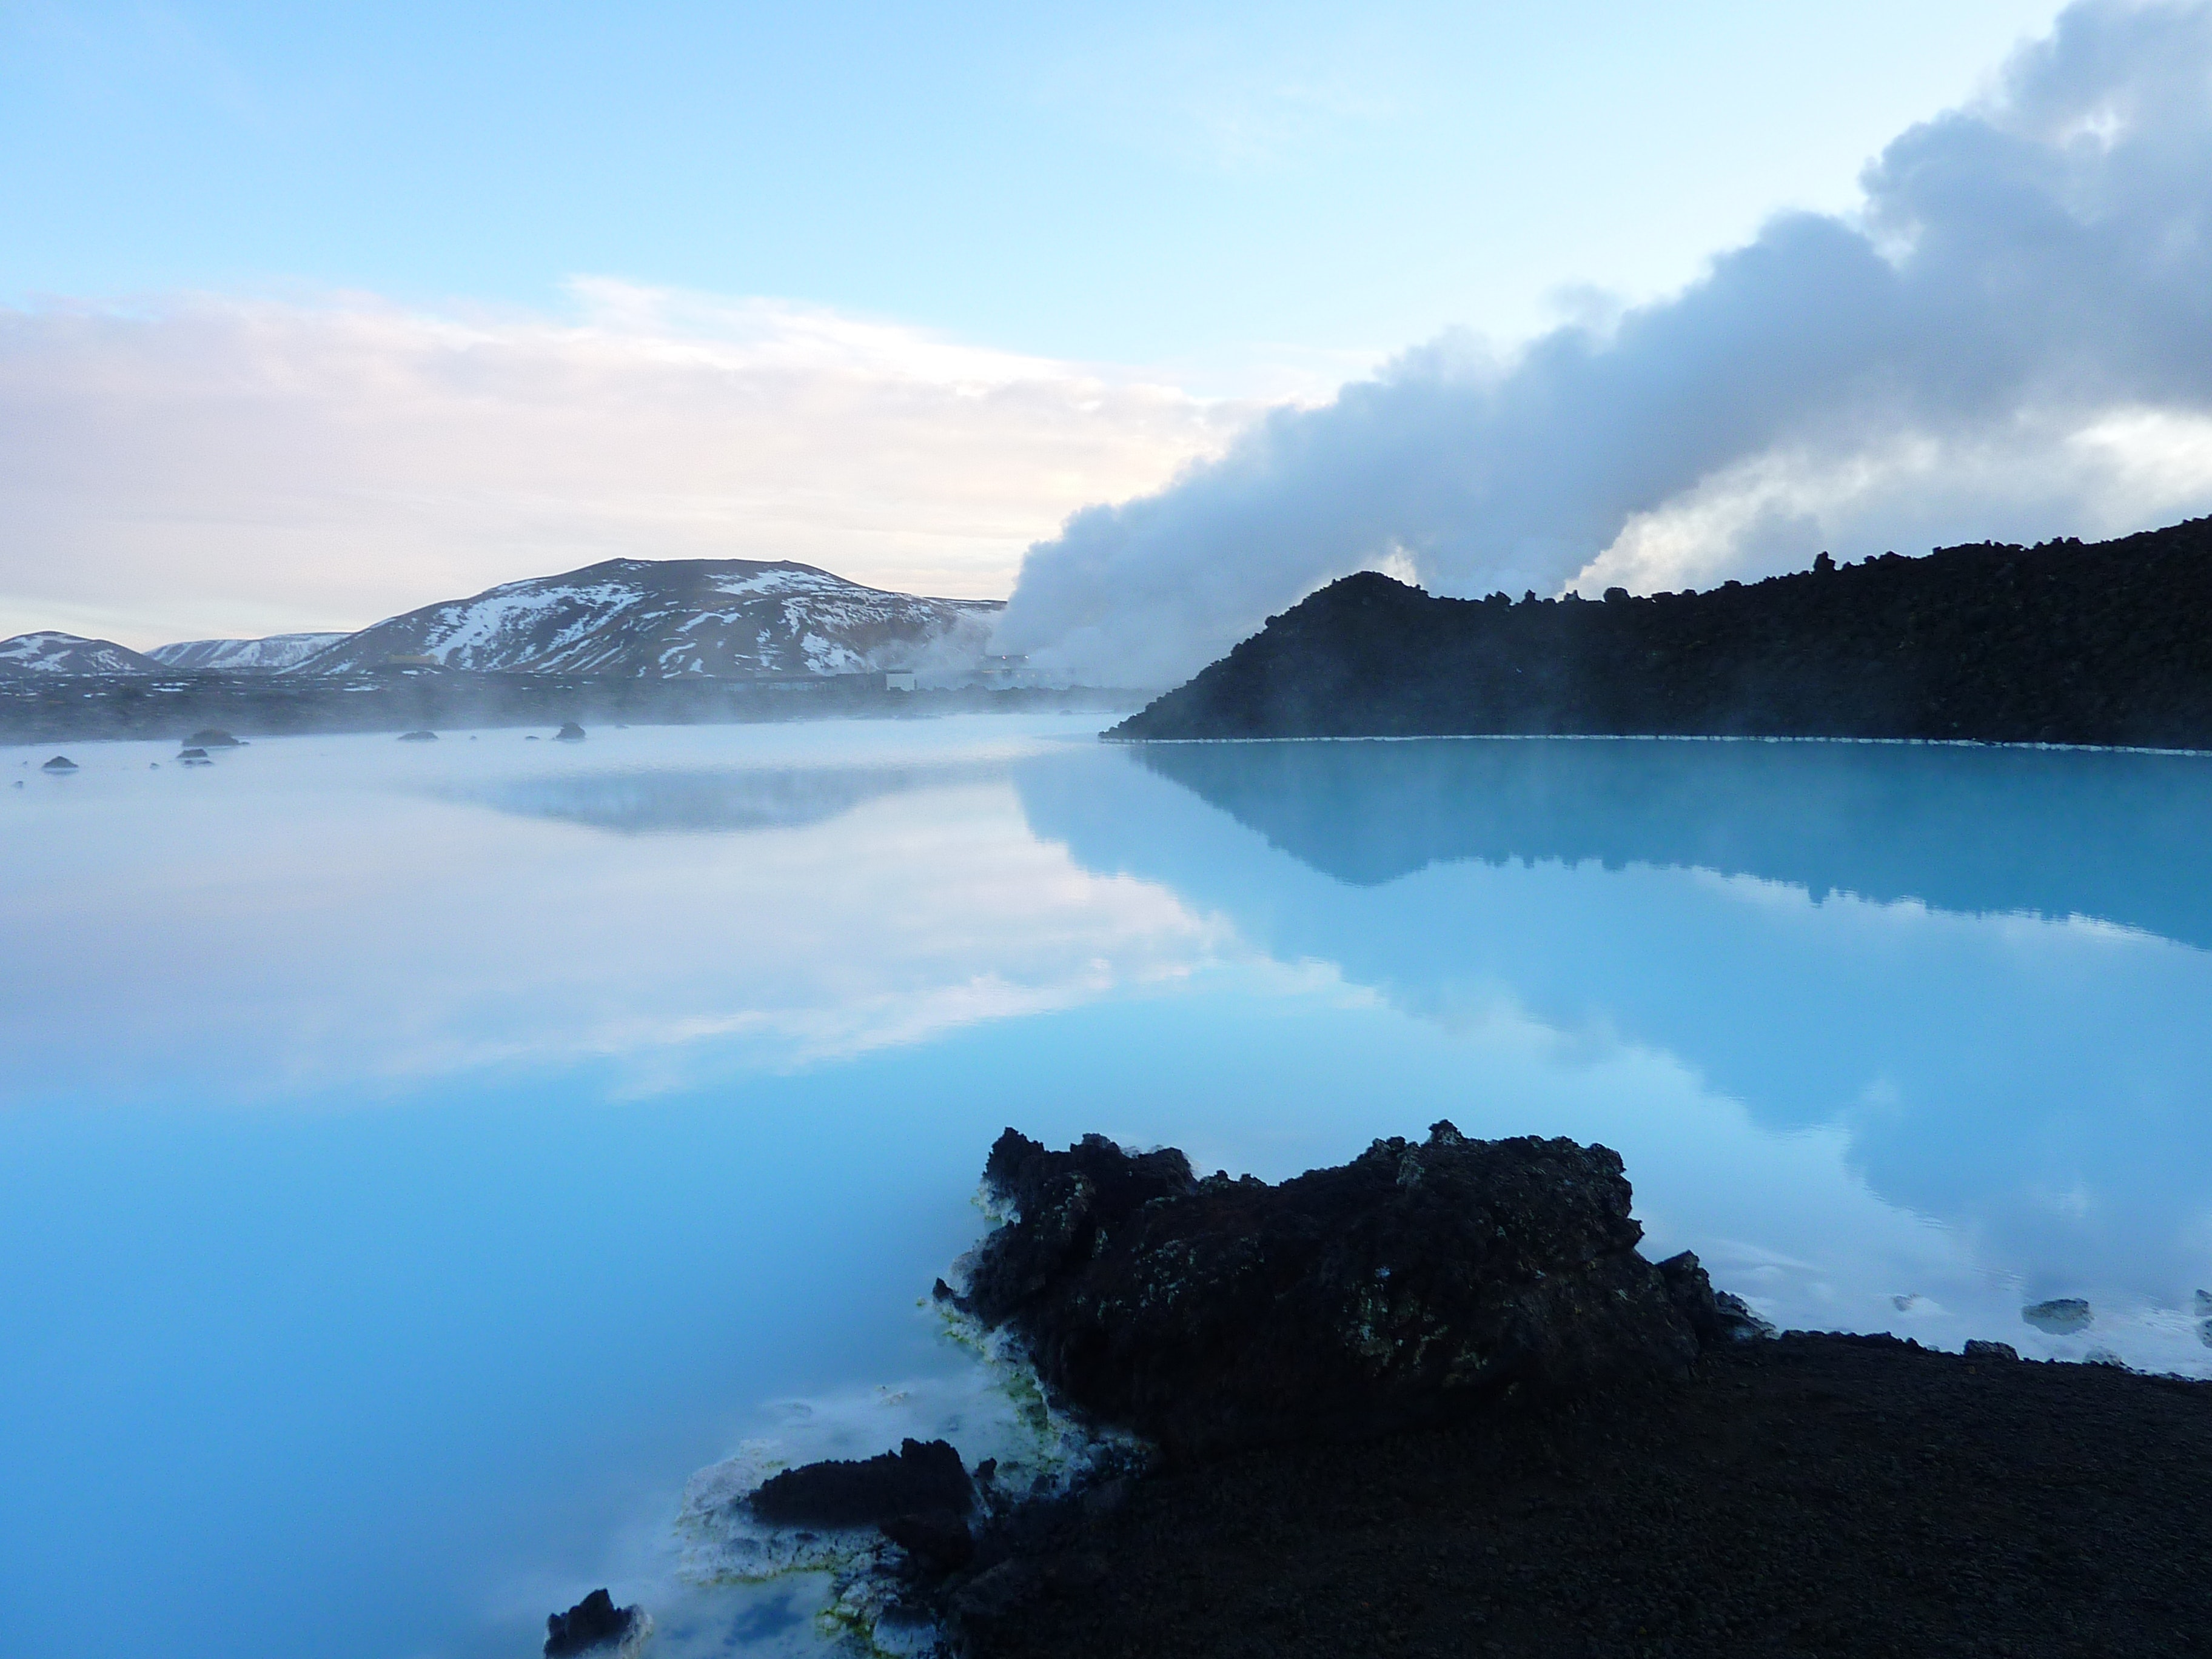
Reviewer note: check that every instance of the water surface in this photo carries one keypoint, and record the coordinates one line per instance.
(419, 1159)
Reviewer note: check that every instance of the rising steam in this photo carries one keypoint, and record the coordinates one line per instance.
(2012, 338)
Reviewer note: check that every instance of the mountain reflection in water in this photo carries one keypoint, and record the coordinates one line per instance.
(650, 801)
(2117, 837)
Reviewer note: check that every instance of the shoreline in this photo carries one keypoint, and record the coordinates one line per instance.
(1814, 1493)
(121, 709)
(1671, 737)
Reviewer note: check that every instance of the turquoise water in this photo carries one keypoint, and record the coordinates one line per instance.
(416, 1161)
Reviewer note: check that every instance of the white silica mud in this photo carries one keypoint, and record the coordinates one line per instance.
(441, 1179)
(990, 1409)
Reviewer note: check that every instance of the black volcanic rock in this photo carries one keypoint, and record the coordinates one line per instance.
(1715, 1316)
(1408, 1286)
(2109, 643)
(1828, 1495)
(594, 1622)
(918, 1479)
(937, 1540)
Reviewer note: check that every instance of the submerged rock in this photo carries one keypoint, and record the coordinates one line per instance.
(211, 738)
(2060, 1316)
(920, 1478)
(59, 763)
(594, 1622)
(194, 757)
(1407, 1286)
(569, 732)
(418, 736)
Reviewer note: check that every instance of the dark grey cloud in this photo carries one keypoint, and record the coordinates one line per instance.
(2017, 323)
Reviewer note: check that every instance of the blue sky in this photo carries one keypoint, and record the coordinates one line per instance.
(1152, 317)
(1143, 184)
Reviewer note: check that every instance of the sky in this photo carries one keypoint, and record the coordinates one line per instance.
(311, 315)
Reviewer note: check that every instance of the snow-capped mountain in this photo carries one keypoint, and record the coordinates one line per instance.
(262, 656)
(51, 652)
(659, 618)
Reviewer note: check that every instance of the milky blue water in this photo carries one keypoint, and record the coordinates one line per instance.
(416, 1161)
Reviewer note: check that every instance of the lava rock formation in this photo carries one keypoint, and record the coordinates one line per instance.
(920, 1478)
(593, 1622)
(1417, 1280)
(2105, 643)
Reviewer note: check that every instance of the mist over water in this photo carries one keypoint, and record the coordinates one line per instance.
(426, 1159)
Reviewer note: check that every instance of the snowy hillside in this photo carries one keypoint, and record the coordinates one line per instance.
(50, 652)
(261, 656)
(654, 618)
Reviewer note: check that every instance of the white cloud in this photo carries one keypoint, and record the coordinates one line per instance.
(199, 465)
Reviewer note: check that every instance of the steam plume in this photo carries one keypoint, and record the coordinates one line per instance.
(2013, 337)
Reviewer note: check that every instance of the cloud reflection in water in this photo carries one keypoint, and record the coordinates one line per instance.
(1973, 979)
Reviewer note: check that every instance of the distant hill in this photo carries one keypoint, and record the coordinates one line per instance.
(263, 656)
(50, 652)
(2107, 643)
(658, 618)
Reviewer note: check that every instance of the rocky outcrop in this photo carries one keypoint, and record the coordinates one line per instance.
(1715, 1316)
(1408, 1286)
(2056, 643)
(569, 732)
(920, 1478)
(592, 1624)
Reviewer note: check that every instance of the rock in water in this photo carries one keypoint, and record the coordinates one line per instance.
(211, 738)
(593, 1622)
(1404, 1287)
(920, 1478)
(59, 763)
(2060, 1316)
(569, 732)
(418, 736)
(194, 757)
